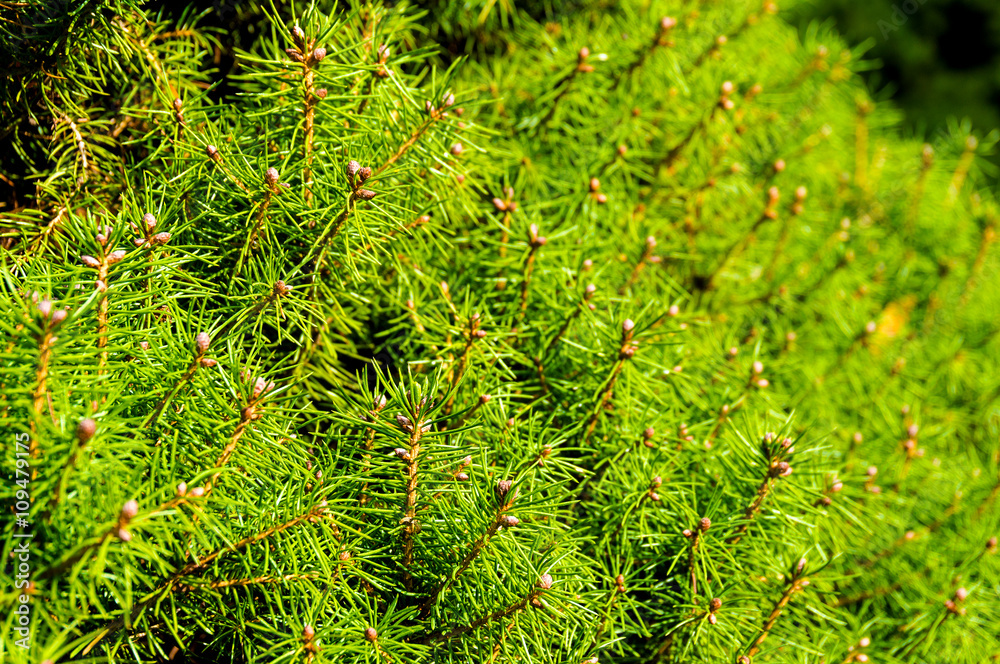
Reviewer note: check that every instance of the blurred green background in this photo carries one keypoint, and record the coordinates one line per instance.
(939, 58)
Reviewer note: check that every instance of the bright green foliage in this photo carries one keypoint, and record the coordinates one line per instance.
(556, 354)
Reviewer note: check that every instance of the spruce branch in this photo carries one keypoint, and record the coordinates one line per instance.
(415, 429)
(248, 414)
(535, 242)
(618, 590)
(47, 321)
(216, 157)
(103, 265)
(200, 564)
(85, 430)
(456, 372)
(737, 248)
(694, 535)
(566, 83)
(369, 444)
(986, 240)
(797, 582)
(202, 342)
(777, 468)
(961, 171)
(544, 583)
(917, 198)
(309, 57)
(647, 255)
(625, 353)
(505, 496)
(508, 206)
(588, 295)
(271, 185)
(660, 40)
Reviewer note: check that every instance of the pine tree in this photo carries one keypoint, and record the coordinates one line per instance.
(640, 334)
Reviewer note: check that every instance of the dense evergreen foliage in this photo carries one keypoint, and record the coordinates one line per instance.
(606, 331)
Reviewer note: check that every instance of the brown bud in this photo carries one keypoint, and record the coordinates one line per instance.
(318, 55)
(364, 173)
(510, 521)
(503, 488)
(129, 510)
(58, 316)
(321, 93)
(212, 151)
(90, 262)
(545, 581)
(371, 634)
(365, 194)
(260, 386)
(85, 430)
(294, 54)
(271, 176)
(202, 342)
(149, 221)
(715, 604)
(704, 524)
(780, 469)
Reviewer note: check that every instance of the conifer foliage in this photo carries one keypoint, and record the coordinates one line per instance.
(628, 331)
